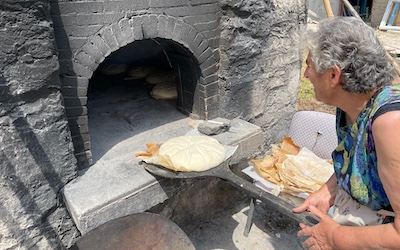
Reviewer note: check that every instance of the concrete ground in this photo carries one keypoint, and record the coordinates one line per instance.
(269, 230)
(390, 40)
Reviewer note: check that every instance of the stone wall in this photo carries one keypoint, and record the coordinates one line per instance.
(260, 63)
(36, 154)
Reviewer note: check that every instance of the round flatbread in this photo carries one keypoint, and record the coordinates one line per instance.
(193, 153)
(139, 72)
(164, 91)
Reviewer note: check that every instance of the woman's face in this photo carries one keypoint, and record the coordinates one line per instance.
(319, 81)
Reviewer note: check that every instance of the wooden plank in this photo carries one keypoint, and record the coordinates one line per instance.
(394, 13)
(328, 8)
(397, 19)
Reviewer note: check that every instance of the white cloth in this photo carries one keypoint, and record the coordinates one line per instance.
(351, 213)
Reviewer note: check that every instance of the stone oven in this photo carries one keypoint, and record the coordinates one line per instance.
(88, 32)
(237, 60)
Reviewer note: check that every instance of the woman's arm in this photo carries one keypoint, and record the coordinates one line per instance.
(329, 235)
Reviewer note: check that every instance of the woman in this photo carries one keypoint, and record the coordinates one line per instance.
(349, 69)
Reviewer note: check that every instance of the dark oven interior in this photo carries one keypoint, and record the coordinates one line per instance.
(141, 85)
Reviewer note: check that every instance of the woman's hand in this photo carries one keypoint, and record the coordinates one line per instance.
(317, 200)
(322, 199)
(320, 236)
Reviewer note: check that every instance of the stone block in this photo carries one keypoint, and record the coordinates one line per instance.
(195, 19)
(168, 3)
(73, 81)
(136, 24)
(127, 30)
(209, 102)
(210, 70)
(209, 90)
(162, 26)
(102, 46)
(84, 59)
(150, 26)
(209, 62)
(82, 30)
(213, 127)
(108, 36)
(74, 101)
(98, 18)
(73, 91)
(120, 6)
(199, 2)
(201, 27)
(78, 121)
(207, 53)
(118, 34)
(75, 43)
(75, 130)
(83, 160)
(76, 7)
(80, 70)
(94, 52)
(177, 33)
(76, 111)
(209, 79)
(170, 26)
(81, 145)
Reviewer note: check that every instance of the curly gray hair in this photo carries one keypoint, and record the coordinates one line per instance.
(354, 47)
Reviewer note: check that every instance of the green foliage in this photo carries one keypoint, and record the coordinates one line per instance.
(306, 92)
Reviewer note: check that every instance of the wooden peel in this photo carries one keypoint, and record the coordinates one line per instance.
(224, 172)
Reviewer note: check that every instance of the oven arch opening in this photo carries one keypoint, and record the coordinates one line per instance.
(192, 56)
(122, 94)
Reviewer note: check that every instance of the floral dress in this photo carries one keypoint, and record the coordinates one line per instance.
(355, 160)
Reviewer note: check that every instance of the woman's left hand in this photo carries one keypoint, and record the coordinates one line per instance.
(320, 235)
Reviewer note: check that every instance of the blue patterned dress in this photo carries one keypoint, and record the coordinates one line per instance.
(355, 160)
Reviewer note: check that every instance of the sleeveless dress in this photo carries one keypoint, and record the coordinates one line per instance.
(355, 160)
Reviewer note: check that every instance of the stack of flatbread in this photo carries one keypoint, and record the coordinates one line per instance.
(293, 169)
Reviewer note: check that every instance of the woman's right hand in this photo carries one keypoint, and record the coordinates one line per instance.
(322, 199)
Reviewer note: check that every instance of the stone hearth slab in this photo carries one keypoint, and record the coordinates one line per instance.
(117, 185)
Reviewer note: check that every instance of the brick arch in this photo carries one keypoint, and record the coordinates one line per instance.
(119, 34)
(127, 30)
